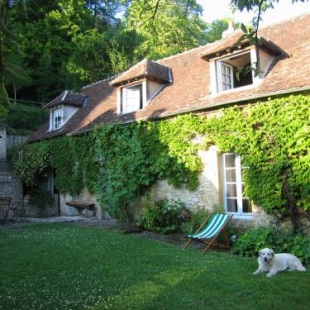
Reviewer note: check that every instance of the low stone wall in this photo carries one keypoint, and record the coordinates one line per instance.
(73, 211)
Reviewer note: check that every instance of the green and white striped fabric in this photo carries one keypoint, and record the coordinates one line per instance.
(214, 225)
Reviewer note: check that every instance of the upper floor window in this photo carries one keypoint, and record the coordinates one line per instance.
(132, 98)
(234, 71)
(234, 200)
(57, 118)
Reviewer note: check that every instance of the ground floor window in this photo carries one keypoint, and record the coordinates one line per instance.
(234, 200)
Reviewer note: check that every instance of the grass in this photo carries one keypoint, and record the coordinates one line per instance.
(66, 266)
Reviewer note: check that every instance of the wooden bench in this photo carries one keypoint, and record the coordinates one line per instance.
(80, 204)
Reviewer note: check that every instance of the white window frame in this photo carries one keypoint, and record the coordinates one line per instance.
(132, 98)
(222, 71)
(57, 118)
(238, 186)
(225, 76)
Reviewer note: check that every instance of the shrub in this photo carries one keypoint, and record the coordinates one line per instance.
(249, 243)
(163, 216)
(40, 198)
(195, 220)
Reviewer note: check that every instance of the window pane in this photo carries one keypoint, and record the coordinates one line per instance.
(246, 206)
(235, 200)
(230, 160)
(231, 175)
(232, 205)
(226, 76)
(57, 118)
(132, 98)
(231, 190)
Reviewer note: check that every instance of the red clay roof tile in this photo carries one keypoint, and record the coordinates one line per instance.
(190, 89)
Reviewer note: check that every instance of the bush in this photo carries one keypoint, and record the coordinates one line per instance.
(163, 216)
(196, 218)
(249, 243)
(40, 198)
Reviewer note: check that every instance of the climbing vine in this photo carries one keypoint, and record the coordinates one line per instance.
(273, 138)
(119, 162)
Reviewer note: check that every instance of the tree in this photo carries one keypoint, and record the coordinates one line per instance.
(10, 70)
(167, 27)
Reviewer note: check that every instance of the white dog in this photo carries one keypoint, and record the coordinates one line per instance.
(273, 263)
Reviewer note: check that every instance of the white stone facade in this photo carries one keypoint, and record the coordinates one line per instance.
(209, 193)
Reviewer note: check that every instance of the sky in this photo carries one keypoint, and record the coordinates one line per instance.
(285, 9)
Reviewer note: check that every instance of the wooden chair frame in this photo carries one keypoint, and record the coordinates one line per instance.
(212, 240)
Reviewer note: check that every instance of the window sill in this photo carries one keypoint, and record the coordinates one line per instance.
(242, 88)
(242, 216)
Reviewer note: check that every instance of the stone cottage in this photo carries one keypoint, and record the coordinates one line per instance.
(201, 80)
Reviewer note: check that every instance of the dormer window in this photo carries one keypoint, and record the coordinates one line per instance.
(132, 98)
(235, 71)
(57, 118)
(235, 64)
(139, 85)
(63, 107)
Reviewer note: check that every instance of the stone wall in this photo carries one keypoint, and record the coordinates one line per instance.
(10, 184)
(3, 139)
(84, 196)
(208, 194)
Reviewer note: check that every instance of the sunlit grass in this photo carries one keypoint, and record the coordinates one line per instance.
(65, 266)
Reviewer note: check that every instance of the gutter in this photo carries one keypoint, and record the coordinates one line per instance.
(206, 107)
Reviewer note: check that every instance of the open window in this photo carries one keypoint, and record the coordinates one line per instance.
(235, 64)
(234, 71)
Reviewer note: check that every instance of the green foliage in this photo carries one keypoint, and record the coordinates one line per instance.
(133, 157)
(167, 27)
(273, 139)
(65, 44)
(40, 198)
(196, 218)
(31, 162)
(23, 119)
(119, 162)
(163, 216)
(249, 243)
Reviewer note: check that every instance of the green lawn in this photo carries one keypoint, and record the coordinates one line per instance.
(66, 266)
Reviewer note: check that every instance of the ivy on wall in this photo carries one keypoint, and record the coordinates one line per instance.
(118, 162)
(273, 138)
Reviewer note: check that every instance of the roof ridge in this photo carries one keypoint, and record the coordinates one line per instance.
(288, 19)
(103, 80)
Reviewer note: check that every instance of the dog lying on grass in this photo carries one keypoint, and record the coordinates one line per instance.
(272, 263)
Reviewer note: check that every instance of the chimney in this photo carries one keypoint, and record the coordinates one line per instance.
(231, 29)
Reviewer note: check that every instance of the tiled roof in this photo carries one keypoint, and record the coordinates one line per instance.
(190, 89)
(145, 68)
(229, 44)
(67, 98)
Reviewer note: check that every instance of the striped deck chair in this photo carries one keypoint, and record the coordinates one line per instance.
(210, 230)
